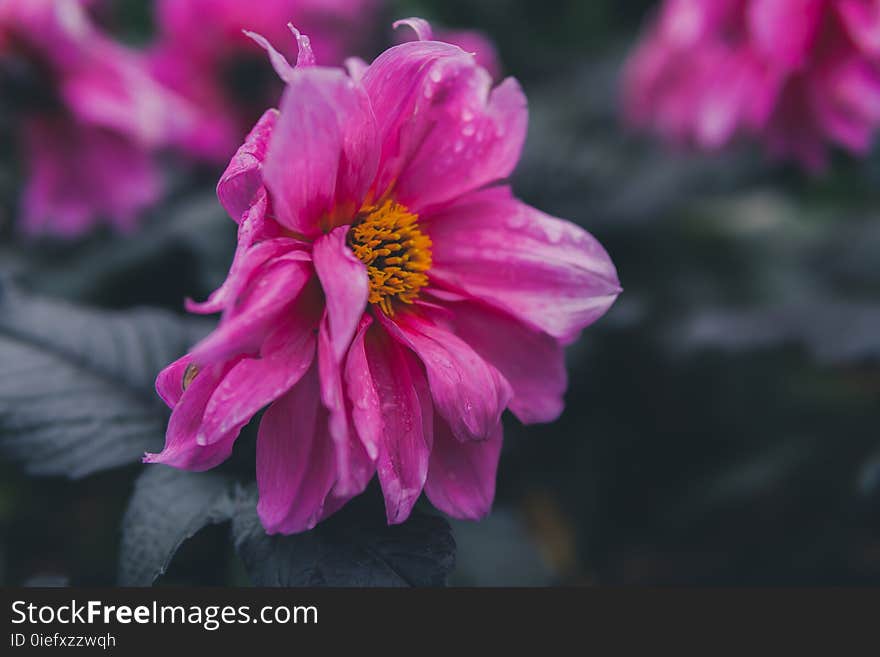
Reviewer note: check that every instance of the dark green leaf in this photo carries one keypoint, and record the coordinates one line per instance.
(76, 385)
(168, 507)
(353, 548)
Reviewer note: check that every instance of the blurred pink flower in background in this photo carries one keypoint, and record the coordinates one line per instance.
(479, 44)
(88, 115)
(202, 53)
(389, 297)
(797, 74)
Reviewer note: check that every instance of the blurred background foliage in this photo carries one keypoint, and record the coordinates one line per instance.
(722, 421)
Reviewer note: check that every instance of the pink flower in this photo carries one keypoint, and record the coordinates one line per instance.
(389, 298)
(88, 115)
(203, 54)
(797, 74)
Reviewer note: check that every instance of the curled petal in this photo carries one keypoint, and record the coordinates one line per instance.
(420, 26)
(182, 450)
(305, 56)
(170, 382)
(279, 62)
(245, 265)
(243, 177)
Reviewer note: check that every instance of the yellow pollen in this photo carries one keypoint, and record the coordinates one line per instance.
(387, 239)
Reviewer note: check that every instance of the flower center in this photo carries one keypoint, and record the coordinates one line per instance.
(387, 239)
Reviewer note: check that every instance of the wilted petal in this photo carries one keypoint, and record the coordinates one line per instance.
(243, 177)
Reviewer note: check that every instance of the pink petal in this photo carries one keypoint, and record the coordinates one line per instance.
(305, 56)
(532, 362)
(243, 177)
(353, 466)
(181, 447)
(469, 393)
(323, 154)
(444, 131)
(114, 91)
(461, 478)
(246, 264)
(845, 97)
(420, 26)
(862, 21)
(279, 62)
(295, 460)
(684, 23)
(366, 409)
(254, 383)
(399, 421)
(243, 329)
(346, 287)
(784, 30)
(169, 382)
(549, 273)
(356, 67)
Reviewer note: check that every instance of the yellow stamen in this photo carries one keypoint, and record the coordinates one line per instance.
(387, 239)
